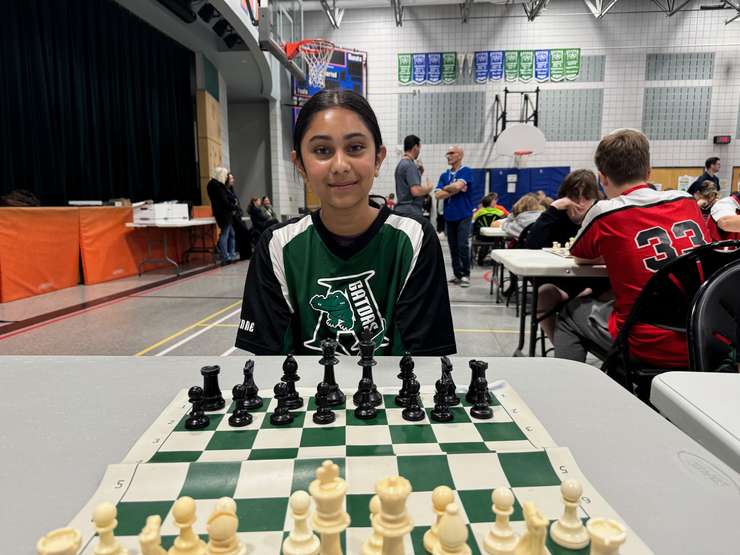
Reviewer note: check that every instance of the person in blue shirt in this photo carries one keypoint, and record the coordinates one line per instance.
(455, 186)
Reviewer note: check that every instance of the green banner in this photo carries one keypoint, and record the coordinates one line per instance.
(511, 65)
(404, 69)
(557, 64)
(572, 63)
(449, 67)
(526, 65)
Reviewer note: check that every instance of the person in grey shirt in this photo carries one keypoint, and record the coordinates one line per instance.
(410, 192)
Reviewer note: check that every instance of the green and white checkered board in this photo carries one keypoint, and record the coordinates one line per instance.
(512, 428)
(261, 489)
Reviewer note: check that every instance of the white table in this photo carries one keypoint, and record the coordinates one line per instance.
(494, 232)
(532, 265)
(66, 418)
(705, 406)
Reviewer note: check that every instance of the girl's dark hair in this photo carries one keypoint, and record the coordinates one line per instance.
(335, 98)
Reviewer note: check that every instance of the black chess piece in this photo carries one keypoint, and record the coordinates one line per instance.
(281, 415)
(441, 411)
(197, 419)
(405, 375)
(290, 377)
(481, 403)
(252, 401)
(452, 399)
(367, 349)
(478, 370)
(365, 409)
(212, 397)
(323, 415)
(240, 417)
(328, 360)
(413, 412)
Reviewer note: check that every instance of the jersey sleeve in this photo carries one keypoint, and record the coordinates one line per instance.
(265, 324)
(423, 314)
(586, 244)
(441, 182)
(724, 207)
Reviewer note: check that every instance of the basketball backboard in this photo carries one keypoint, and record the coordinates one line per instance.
(520, 137)
(281, 22)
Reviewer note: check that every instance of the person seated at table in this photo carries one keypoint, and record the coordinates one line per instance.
(267, 208)
(634, 232)
(487, 213)
(352, 266)
(261, 219)
(524, 212)
(725, 218)
(559, 223)
(224, 208)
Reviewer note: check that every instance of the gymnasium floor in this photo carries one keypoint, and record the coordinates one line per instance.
(198, 315)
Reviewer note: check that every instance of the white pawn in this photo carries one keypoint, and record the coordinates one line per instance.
(301, 540)
(501, 538)
(329, 519)
(453, 534)
(104, 517)
(226, 505)
(533, 540)
(568, 531)
(62, 541)
(393, 522)
(222, 527)
(187, 542)
(441, 497)
(606, 536)
(150, 539)
(374, 544)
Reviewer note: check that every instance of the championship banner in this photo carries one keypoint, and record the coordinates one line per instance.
(511, 64)
(495, 65)
(434, 68)
(419, 68)
(572, 63)
(526, 65)
(557, 64)
(404, 69)
(481, 66)
(541, 65)
(449, 67)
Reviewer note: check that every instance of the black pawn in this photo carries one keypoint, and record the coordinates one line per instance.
(281, 415)
(365, 409)
(240, 417)
(452, 398)
(323, 415)
(481, 409)
(252, 401)
(290, 377)
(413, 412)
(478, 370)
(212, 398)
(197, 419)
(367, 349)
(441, 411)
(328, 360)
(405, 375)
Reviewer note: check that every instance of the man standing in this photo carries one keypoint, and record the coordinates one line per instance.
(455, 187)
(711, 169)
(410, 192)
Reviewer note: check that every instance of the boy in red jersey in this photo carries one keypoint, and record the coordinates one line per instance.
(725, 219)
(634, 232)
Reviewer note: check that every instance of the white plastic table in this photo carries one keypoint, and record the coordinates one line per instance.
(706, 406)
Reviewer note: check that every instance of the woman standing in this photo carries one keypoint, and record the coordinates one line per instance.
(223, 210)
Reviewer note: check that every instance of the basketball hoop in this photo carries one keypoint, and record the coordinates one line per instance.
(521, 157)
(317, 53)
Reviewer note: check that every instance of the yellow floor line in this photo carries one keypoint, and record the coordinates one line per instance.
(187, 329)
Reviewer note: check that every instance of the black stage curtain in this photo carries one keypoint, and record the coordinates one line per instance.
(94, 104)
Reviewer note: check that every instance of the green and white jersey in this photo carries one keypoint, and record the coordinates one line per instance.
(304, 285)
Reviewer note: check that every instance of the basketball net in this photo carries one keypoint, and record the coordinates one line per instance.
(316, 53)
(521, 157)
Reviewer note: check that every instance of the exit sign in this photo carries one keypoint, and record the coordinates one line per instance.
(722, 139)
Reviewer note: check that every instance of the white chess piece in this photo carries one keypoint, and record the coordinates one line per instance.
(606, 536)
(226, 505)
(532, 541)
(222, 539)
(329, 519)
(301, 540)
(568, 531)
(441, 497)
(501, 538)
(453, 534)
(104, 517)
(62, 541)
(374, 544)
(393, 522)
(150, 539)
(187, 542)
(555, 245)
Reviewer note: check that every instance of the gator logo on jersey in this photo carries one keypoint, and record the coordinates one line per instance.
(347, 307)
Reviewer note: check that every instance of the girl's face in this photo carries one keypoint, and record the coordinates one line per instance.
(340, 162)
